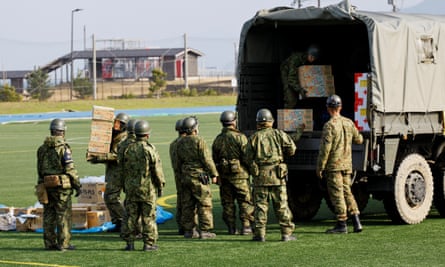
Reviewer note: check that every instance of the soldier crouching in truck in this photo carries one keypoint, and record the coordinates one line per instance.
(292, 89)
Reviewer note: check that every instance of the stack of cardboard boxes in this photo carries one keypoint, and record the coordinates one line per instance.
(319, 82)
(90, 210)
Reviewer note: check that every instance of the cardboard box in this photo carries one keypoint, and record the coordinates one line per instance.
(103, 113)
(97, 217)
(28, 222)
(100, 137)
(290, 119)
(317, 80)
(101, 131)
(37, 222)
(79, 216)
(91, 193)
(105, 127)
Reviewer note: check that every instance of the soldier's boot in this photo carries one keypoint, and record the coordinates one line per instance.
(206, 235)
(286, 238)
(129, 247)
(247, 230)
(339, 228)
(258, 238)
(148, 247)
(232, 230)
(191, 234)
(356, 223)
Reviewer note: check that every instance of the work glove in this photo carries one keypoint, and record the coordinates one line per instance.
(77, 190)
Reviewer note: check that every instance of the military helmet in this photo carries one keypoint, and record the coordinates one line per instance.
(227, 117)
(142, 127)
(333, 101)
(130, 125)
(264, 115)
(314, 51)
(123, 118)
(178, 125)
(57, 125)
(189, 124)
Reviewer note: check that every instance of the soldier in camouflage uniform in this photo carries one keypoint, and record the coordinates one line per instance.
(229, 155)
(266, 150)
(131, 138)
(197, 170)
(57, 172)
(113, 187)
(335, 164)
(143, 183)
(177, 173)
(292, 90)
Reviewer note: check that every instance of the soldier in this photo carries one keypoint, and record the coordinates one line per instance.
(131, 138)
(177, 173)
(229, 155)
(289, 74)
(113, 186)
(142, 184)
(197, 169)
(266, 150)
(335, 164)
(57, 173)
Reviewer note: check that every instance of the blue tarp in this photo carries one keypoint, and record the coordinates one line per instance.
(6, 118)
(161, 217)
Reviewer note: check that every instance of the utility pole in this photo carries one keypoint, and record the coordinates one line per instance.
(71, 55)
(186, 85)
(94, 70)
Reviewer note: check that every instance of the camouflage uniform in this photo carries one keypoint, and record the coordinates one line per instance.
(193, 159)
(144, 178)
(289, 77)
(113, 187)
(266, 151)
(335, 160)
(229, 154)
(54, 158)
(131, 138)
(177, 173)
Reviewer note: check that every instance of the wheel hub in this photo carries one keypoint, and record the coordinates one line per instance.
(415, 189)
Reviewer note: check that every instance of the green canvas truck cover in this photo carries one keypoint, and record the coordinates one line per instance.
(407, 59)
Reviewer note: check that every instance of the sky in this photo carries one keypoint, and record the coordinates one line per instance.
(34, 33)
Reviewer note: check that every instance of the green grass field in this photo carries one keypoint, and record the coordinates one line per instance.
(380, 244)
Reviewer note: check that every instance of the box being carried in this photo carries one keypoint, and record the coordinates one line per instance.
(291, 119)
(317, 80)
(101, 131)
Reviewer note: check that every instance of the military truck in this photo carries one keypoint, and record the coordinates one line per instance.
(401, 58)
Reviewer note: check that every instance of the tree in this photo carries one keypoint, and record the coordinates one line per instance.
(39, 85)
(8, 94)
(83, 87)
(157, 82)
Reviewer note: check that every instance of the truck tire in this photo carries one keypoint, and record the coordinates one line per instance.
(439, 192)
(413, 191)
(304, 195)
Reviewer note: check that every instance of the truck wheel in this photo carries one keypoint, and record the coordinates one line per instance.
(304, 196)
(439, 192)
(413, 191)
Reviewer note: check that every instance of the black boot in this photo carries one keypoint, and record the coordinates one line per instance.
(339, 228)
(129, 247)
(356, 222)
